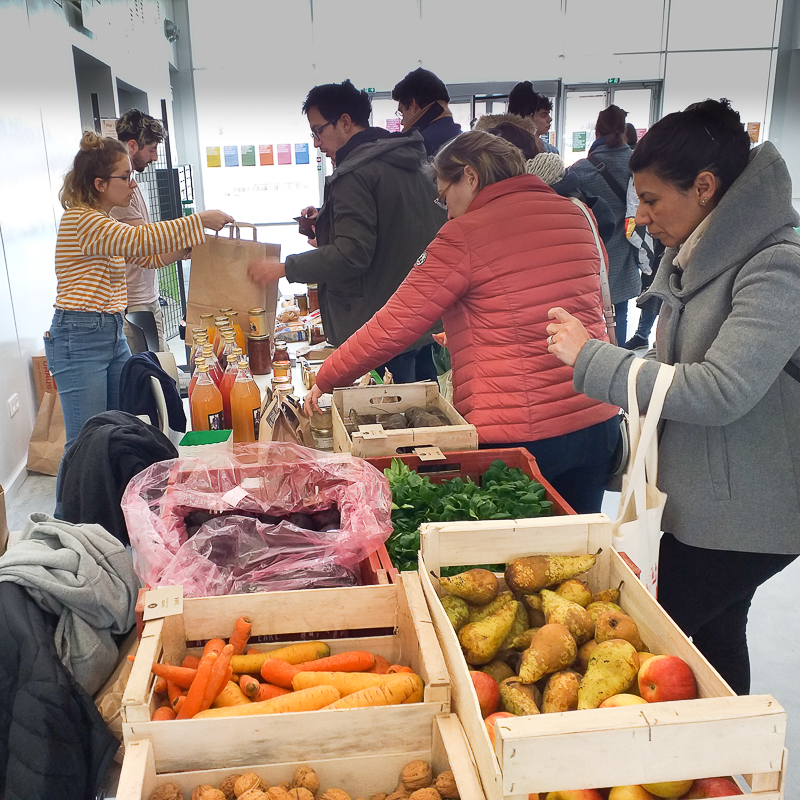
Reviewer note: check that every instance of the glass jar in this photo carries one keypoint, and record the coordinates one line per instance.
(301, 301)
(258, 321)
(259, 350)
(313, 298)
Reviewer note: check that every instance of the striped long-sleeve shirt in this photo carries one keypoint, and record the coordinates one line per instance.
(90, 255)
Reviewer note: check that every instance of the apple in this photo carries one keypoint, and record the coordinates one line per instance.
(668, 789)
(489, 722)
(622, 699)
(634, 792)
(663, 678)
(575, 794)
(711, 787)
(488, 692)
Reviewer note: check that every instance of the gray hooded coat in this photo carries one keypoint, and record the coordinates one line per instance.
(729, 451)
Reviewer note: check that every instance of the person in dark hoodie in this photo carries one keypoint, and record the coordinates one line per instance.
(377, 216)
(422, 100)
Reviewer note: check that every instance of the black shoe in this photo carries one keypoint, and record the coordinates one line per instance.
(636, 342)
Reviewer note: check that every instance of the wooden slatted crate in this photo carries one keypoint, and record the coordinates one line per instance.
(717, 734)
(389, 620)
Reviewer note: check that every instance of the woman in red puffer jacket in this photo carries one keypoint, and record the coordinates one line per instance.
(511, 250)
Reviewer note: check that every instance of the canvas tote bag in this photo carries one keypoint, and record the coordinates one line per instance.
(637, 529)
(219, 279)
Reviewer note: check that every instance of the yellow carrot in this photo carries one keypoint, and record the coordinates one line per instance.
(293, 653)
(231, 695)
(306, 700)
(349, 682)
(392, 694)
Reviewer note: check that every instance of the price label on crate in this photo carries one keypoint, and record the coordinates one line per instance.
(165, 601)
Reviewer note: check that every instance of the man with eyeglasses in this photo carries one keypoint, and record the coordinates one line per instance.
(376, 218)
(142, 134)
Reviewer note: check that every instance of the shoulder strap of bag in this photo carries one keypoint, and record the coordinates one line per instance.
(605, 289)
(603, 170)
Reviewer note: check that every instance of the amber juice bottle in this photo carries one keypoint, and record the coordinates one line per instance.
(245, 405)
(206, 403)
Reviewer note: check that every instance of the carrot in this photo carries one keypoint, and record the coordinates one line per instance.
(173, 692)
(280, 672)
(305, 700)
(160, 686)
(381, 666)
(197, 691)
(252, 650)
(293, 653)
(131, 658)
(163, 712)
(249, 685)
(230, 695)
(214, 644)
(349, 682)
(266, 691)
(240, 635)
(398, 668)
(392, 694)
(191, 661)
(179, 704)
(183, 676)
(218, 677)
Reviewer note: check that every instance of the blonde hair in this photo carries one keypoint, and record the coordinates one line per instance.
(493, 159)
(96, 159)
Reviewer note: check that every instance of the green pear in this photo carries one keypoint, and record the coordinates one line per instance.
(596, 607)
(561, 692)
(477, 613)
(498, 670)
(481, 640)
(575, 617)
(532, 573)
(477, 586)
(576, 590)
(519, 698)
(523, 640)
(519, 627)
(612, 669)
(611, 624)
(552, 648)
(456, 609)
(533, 602)
(608, 595)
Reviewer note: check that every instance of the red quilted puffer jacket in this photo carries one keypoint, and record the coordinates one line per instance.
(491, 275)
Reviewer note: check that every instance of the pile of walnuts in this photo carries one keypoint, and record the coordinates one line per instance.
(416, 783)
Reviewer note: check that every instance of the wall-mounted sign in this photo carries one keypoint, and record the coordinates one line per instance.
(753, 131)
(248, 155)
(213, 157)
(613, 80)
(284, 154)
(578, 141)
(265, 155)
(301, 153)
(231, 152)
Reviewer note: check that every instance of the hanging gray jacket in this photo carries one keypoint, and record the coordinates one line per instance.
(729, 450)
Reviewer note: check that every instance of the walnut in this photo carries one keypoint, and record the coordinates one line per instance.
(334, 794)
(212, 794)
(428, 793)
(246, 782)
(399, 793)
(416, 775)
(277, 793)
(167, 791)
(379, 796)
(301, 793)
(226, 787)
(306, 778)
(253, 794)
(199, 791)
(445, 784)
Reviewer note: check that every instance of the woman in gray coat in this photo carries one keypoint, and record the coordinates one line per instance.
(729, 450)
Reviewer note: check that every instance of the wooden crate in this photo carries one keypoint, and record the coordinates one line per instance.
(390, 620)
(362, 772)
(717, 734)
(459, 435)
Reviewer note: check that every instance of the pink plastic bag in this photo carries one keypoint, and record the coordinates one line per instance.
(222, 525)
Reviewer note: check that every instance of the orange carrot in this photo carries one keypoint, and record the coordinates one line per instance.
(395, 669)
(173, 692)
(214, 645)
(251, 650)
(197, 691)
(179, 704)
(191, 661)
(280, 672)
(131, 658)
(391, 694)
(183, 676)
(249, 685)
(297, 653)
(305, 700)
(240, 635)
(163, 712)
(381, 666)
(218, 678)
(160, 686)
(349, 682)
(266, 691)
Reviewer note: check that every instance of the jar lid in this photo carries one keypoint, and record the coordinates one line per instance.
(255, 311)
(252, 336)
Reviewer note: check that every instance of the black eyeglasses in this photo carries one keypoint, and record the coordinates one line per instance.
(315, 132)
(128, 178)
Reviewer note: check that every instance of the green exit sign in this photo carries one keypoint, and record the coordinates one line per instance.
(370, 90)
(610, 80)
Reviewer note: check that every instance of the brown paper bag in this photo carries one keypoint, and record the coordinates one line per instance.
(219, 278)
(48, 438)
(275, 426)
(3, 522)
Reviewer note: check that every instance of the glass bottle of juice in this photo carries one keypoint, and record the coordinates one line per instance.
(241, 342)
(199, 338)
(219, 323)
(214, 368)
(207, 322)
(206, 403)
(195, 375)
(226, 384)
(245, 405)
(228, 343)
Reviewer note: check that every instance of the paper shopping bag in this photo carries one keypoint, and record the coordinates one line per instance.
(48, 438)
(219, 279)
(637, 529)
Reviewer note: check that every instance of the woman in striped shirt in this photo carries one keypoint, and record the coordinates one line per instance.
(85, 345)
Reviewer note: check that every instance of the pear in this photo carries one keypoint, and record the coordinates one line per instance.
(456, 609)
(532, 573)
(519, 698)
(576, 590)
(584, 654)
(617, 625)
(523, 640)
(575, 617)
(498, 670)
(552, 648)
(561, 692)
(476, 586)
(597, 606)
(519, 626)
(477, 613)
(612, 669)
(481, 640)
(533, 602)
(608, 595)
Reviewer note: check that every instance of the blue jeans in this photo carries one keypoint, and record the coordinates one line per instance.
(414, 365)
(577, 464)
(85, 351)
(621, 318)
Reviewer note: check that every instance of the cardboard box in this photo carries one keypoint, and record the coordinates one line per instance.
(719, 733)
(390, 620)
(45, 382)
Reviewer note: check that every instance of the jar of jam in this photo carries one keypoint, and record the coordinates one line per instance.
(258, 321)
(313, 298)
(282, 369)
(316, 334)
(301, 301)
(281, 352)
(259, 349)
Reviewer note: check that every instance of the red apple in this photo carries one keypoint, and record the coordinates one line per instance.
(488, 691)
(663, 678)
(489, 722)
(575, 794)
(622, 700)
(711, 787)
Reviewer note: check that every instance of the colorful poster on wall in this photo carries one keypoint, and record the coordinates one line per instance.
(578, 141)
(265, 155)
(301, 153)
(753, 131)
(284, 154)
(231, 155)
(212, 157)
(248, 155)
(394, 125)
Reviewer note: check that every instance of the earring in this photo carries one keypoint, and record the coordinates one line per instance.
(703, 201)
